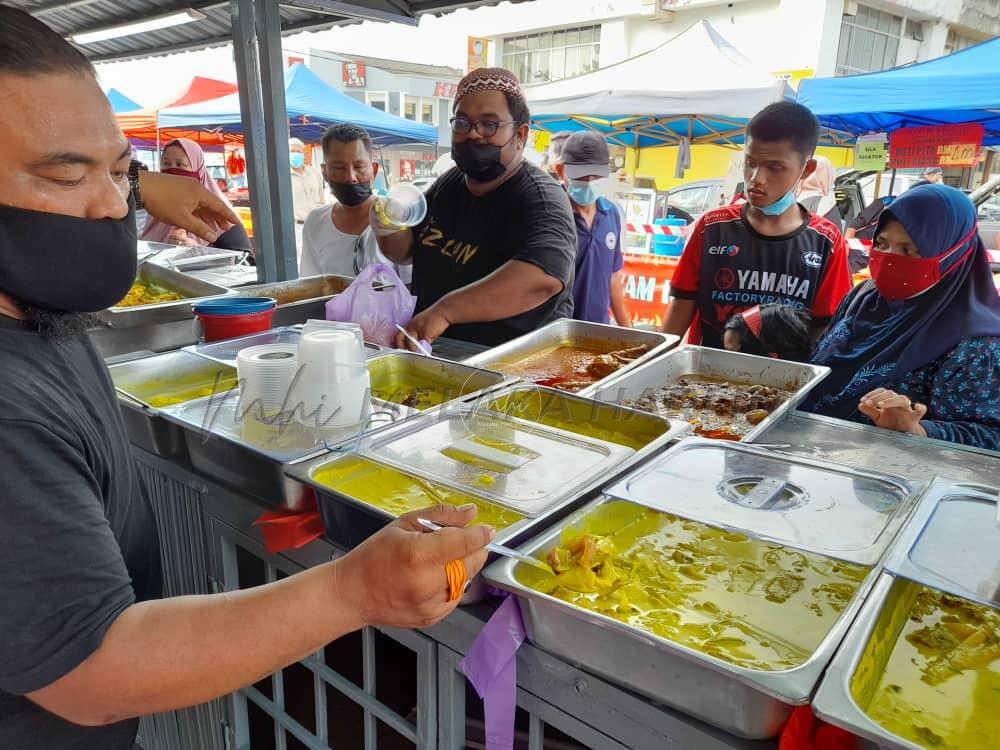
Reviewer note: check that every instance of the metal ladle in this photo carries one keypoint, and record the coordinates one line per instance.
(498, 548)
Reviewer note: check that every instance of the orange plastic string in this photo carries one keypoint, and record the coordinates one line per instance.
(457, 576)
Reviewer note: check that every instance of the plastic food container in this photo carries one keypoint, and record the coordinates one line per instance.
(229, 317)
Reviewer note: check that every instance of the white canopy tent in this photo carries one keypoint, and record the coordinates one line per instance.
(697, 86)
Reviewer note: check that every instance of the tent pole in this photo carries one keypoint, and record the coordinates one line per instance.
(892, 182)
(259, 72)
(988, 166)
(878, 182)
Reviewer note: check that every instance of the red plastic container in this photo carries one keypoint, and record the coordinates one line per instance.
(225, 319)
(219, 327)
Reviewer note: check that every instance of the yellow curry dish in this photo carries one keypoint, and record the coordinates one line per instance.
(396, 493)
(147, 293)
(165, 391)
(182, 395)
(587, 418)
(940, 687)
(752, 604)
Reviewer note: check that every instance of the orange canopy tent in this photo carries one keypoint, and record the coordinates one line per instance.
(142, 124)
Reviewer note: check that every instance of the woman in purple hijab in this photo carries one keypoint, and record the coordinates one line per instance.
(917, 348)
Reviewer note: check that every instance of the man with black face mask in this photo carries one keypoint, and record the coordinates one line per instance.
(336, 239)
(86, 644)
(494, 257)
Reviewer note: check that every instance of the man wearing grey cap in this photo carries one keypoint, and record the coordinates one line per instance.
(583, 170)
(930, 176)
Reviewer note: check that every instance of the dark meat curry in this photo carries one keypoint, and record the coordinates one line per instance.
(716, 408)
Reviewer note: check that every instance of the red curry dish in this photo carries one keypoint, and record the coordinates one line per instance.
(573, 368)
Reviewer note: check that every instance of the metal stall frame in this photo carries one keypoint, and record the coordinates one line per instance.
(257, 49)
(421, 733)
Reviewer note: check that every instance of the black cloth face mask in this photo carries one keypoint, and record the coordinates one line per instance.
(480, 161)
(351, 193)
(64, 263)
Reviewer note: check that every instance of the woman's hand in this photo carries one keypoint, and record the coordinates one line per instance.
(893, 411)
(185, 203)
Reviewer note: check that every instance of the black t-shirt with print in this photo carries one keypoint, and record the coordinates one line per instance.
(466, 238)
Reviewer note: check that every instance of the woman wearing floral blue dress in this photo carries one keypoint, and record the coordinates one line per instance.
(917, 348)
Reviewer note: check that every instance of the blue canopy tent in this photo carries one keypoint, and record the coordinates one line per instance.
(959, 88)
(312, 107)
(632, 103)
(120, 102)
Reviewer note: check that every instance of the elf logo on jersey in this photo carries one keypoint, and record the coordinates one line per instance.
(813, 259)
(611, 241)
(730, 251)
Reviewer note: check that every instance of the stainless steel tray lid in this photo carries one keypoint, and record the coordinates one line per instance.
(227, 351)
(953, 543)
(508, 461)
(826, 509)
(281, 439)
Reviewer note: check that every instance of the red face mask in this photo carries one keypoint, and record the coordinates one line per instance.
(181, 173)
(900, 277)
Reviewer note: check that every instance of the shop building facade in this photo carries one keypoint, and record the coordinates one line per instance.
(792, 38)
(423, 93)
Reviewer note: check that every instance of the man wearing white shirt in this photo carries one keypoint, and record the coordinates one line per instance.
(337, 239)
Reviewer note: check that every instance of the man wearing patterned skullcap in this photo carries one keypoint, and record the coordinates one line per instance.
(495, 256)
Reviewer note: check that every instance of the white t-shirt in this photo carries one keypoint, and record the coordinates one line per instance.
(327, 250)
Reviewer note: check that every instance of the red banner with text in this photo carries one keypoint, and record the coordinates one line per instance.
(936, 146)
(647, 286)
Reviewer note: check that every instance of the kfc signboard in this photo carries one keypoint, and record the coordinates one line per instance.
(353, 75)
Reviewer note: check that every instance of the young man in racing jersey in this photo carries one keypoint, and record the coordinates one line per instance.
(768, 250)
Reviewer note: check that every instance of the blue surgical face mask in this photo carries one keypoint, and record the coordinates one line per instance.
(296, 159)
(583, 192)
(781, 205)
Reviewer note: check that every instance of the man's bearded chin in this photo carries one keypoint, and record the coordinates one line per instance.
(57, 325)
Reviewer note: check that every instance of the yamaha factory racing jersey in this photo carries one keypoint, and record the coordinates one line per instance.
(728, 267)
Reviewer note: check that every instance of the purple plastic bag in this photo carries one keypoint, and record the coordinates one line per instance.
(377, 312)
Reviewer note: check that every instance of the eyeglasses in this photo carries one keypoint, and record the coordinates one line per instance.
(485, 128)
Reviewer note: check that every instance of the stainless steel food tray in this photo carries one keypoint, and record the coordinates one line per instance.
(299, 299)
(748, 703)
(884, 614)
(604, 338)
(212, 436)
(460, 381)
(834, 511)
(735, 366)
(188, 258)
(350, 521)
(192, 290)
(145, 426)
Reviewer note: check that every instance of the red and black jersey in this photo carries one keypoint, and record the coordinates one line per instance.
(727, 267)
